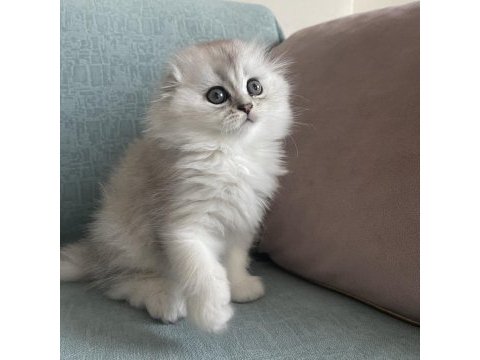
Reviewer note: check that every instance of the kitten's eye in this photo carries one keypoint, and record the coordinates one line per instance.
(217, 95)
(254, 87)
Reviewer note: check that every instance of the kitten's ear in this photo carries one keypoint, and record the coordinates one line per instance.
(174, 73)
(280, 61)
(173, 78)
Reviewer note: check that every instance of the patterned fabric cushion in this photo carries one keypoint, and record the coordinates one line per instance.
(295, 320)
(112, 54)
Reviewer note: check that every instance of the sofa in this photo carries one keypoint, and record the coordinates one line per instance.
(112, 55)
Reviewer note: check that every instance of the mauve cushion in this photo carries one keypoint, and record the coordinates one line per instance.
(347, 214)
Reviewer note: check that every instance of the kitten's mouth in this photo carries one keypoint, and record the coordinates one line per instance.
(250, 118)
(247, 122)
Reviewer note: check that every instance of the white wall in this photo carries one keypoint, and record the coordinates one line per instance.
(367, 5)
(294, 15)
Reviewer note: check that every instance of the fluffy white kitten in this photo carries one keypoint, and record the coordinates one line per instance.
(180, 212)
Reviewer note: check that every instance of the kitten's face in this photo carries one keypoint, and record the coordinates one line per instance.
(224, 90)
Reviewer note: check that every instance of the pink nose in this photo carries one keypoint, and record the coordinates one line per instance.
(245, 108)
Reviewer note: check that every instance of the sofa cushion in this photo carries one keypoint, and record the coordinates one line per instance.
(295, 320)
(112, 56)
(347, 215)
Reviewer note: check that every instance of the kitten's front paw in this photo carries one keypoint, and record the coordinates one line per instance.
(249, 288)
(167, 311)
(210, 310)
(212, 318)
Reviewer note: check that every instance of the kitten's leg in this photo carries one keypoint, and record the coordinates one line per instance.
(193, 256)
(157, 295)
(244, 287)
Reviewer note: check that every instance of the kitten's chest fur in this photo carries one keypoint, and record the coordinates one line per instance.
(230, 187)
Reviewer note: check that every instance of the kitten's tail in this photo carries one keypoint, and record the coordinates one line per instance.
(73, 261)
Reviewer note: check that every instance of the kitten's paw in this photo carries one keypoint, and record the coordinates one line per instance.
(167, 311)
(211, 317)
(210, 309)
(249, 288)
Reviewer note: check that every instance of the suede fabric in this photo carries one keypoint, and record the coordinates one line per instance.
(347, 215)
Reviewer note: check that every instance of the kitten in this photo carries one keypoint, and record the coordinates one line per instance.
(179, 213)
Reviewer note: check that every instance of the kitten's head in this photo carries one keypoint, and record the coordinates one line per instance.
(222, 92)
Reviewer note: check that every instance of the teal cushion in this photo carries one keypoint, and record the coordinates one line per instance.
(112, 55)
(295, 320)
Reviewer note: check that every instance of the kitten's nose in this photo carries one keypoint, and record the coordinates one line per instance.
(245, 108)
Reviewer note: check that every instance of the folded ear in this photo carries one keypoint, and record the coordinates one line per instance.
(171, 80)
(175, 73)
(280, 61)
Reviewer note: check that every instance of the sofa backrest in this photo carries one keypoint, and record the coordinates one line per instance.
(112, 55)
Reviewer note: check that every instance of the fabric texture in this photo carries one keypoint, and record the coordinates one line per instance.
(347, 215)
(295, 320)
(112, 55)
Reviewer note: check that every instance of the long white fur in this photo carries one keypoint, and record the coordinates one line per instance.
(180, 211)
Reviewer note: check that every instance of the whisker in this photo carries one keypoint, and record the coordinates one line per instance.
(294, 143)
